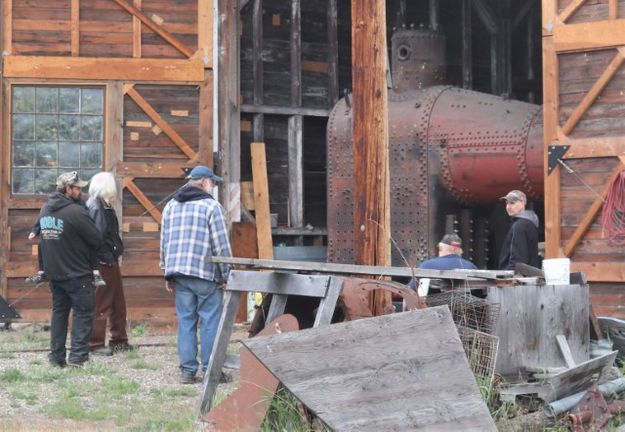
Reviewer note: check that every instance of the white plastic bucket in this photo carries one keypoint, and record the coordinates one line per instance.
(557, 271)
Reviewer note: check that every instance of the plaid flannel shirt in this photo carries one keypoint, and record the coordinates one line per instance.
(191, 231)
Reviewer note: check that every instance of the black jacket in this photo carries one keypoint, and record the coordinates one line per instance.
(521, 242)
(69, 238)
(106, 221)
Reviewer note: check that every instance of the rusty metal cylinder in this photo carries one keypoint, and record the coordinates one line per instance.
(418, 59)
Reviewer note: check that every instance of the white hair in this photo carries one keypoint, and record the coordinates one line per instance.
(103, 185)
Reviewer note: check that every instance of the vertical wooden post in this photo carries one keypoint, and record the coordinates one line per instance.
(296, 171)
(75, 28)
(258, 121)
(467, 45)
(114, 146)
(229, 107)
(333, 53)
(261, 201)
(205, 20)
(553, 240)
(7, 27)
(5, 176)
(370, 137)
(296, 54)
(136, 31)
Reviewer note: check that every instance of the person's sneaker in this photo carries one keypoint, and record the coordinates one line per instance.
(76, 364)
(37, 278)
(122, 346)
(102, 351)
(98, 281)
(186, 378)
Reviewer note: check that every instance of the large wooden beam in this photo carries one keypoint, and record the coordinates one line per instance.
(7, 26)
(98, 68)
(601, 271)
(257, 70)
(166, 128)
(296, 54)
(589, 35)
(171, 39)
(333, 53)
(550, 117)
(205, 31)
(161, 169)
(228, 106)
(296, 171)
(370, 137)
(570, 10)
(593, 147)
(261, 201)
(145, 201)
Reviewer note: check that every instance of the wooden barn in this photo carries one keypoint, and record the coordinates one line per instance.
(145, 88)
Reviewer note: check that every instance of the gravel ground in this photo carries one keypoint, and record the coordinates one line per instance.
(28, 397)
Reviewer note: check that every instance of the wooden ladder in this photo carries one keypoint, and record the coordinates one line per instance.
(280, 285)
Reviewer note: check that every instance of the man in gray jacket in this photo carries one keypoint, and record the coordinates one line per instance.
(521, 242)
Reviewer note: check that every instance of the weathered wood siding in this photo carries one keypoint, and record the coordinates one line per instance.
(153, 60)
(584, 105)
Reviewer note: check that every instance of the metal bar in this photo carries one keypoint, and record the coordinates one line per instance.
(362, 269)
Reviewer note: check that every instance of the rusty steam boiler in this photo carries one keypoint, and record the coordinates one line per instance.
(452, 151)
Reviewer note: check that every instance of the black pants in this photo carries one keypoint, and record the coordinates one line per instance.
(77, 295)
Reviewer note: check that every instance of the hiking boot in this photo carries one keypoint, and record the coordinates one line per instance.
(122, 347)
(76, 364)
(60, 364)
(98, 281)
(36, 279)
(102, 351)
(187, 378)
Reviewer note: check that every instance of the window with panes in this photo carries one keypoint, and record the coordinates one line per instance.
(55, 129)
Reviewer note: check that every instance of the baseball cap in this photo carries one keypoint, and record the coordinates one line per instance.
(514, 196)
(201, 171)
(70, 179)
(452, 240)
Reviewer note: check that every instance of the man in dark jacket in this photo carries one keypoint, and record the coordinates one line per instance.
(521, 242)
(69, 240)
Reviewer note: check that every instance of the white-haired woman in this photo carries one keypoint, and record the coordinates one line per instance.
(110, 300)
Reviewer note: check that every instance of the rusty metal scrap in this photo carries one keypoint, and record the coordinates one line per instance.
(593, 413)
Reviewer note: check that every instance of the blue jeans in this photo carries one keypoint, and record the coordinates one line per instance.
(77, 295)
(196, 299)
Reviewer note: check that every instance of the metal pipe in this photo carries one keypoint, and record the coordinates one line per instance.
(556, 408)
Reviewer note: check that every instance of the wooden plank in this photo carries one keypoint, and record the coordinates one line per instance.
(570, 10)
(592, 212)
(266, 109)
(364, 396)
(278, 283)
(171, 39)
(333, 53)
(594, 322)
(261, 201)
(565, 349)
(549, 13)
(277, 306)
(533, 315)
(586, 36)
(364, 269)
(167, 129)
(328, 303)
(553, 234)
(206, 148)
(228, 106)
(486, 15)
(205, 31)
(5, 170)
(601, 271)
(370, 140)
(593, 93)
(114, 148)
(140, 124)
(218, 355)
(241, 234)
(92, 68)
(296, 53)
(150, 169)
(145, 202)
(136, 32)
(593, 147)
(7, 28)
(296, 171)
(75, 28)
(612, 9)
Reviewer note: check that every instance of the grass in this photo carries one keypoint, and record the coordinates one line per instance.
(284, 414)
(140, 329)
(12, 375)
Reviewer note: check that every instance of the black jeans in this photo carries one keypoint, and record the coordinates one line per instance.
(79, 296)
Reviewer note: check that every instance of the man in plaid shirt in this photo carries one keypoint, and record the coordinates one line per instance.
(192, 229)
